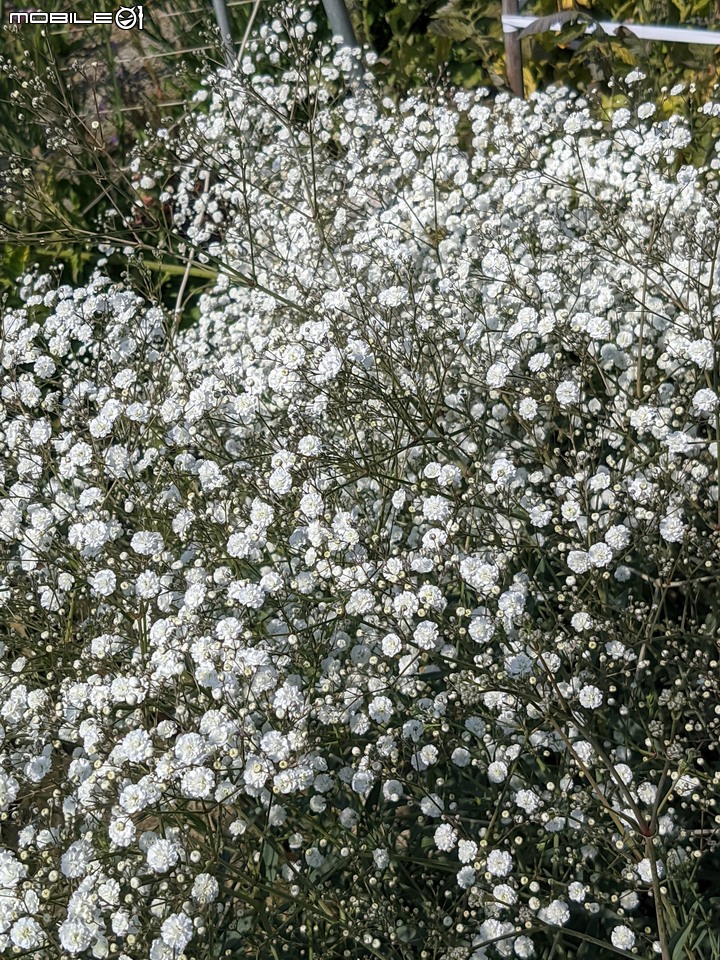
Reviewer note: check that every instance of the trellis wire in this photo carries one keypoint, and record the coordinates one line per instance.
(516, 27)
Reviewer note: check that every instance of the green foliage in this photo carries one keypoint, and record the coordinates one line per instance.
(463, 40)
(73, 104)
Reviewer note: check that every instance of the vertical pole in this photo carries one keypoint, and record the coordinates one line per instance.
(341, 26)
(513, 51)
(221, 16)
(339, 20)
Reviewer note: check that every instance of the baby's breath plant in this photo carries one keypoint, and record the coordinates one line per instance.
(374, 614)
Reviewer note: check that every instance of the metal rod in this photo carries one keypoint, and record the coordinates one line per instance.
(339, 20)
(341, 26)
(223, 23)
(513, 50)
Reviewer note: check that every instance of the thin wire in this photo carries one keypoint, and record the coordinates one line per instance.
(150, 56)
(171, 53)
(644, 31)
(137, 106)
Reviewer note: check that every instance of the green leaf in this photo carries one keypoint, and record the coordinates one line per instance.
(270, 861)
(454, 29)
(677, 944)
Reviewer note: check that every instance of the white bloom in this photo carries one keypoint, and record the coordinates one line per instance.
(177, 931)
(578, 561)
(445, 837)
(590, 697)
(381, 709)
(75, 936)
(426, 635)
(432, 805)
(645, 873)
(393, 296)
(381, 858)
(705, 401)
(467, 851)
(567, 393)
(672, 528)
(622, 937)
(527, 800)
(103, 582)
(461, 757)
(481, 629)
(600, 555)
(27, 934)
(557, 913)
(479, 575)
(528, 408)
(205, 889)
(499, 863)
(147, 543)
(497, 771)
(161, 856)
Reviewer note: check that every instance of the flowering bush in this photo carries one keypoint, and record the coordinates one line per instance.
(373, 615)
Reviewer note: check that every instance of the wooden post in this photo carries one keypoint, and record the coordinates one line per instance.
(513, 51)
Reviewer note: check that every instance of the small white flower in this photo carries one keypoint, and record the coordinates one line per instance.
(622, 937)
(461, 757)
(590, 697)
(177, 931)
(103, 582)
(445, 837)
(205, 889)
(567, 393)
(645, 873)
(161, 856)
(672, 528)
(147, 543)
(556, 913)
(381, 858)
(497, 771)
(578, 561)
(527, 408)
(600, 555)
(467, 851)
(432, 805)
(393, 296)
(705, 401)
(27, 934)
(499, 863)
(381, 709)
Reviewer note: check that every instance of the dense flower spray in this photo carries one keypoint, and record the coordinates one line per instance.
(372, 615)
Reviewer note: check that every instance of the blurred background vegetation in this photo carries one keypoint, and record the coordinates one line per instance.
(74, 101)
(464, 40)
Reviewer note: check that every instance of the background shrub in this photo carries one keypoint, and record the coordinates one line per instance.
(463, 40)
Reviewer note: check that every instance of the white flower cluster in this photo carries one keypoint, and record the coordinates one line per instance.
(377, 604)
